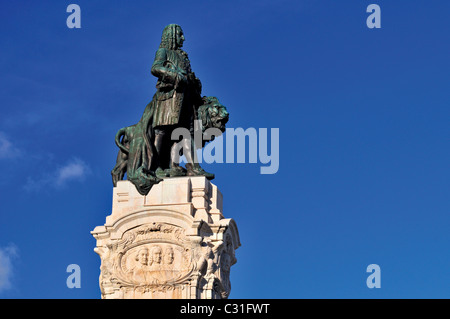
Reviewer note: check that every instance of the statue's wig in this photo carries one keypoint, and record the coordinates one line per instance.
(169, 37)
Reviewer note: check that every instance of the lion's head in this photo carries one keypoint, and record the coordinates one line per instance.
(213, 114)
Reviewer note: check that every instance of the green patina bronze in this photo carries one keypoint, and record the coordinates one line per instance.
(147, 154)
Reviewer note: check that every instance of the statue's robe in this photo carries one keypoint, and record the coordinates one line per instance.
(176, 101)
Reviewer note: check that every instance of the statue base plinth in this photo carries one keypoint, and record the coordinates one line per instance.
(173, 243)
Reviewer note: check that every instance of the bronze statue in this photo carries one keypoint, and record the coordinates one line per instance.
(147, 152)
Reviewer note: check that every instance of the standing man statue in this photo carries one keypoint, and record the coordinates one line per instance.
(178, 98)
(147, 151)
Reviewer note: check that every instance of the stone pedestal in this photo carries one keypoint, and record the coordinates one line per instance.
(173, 243)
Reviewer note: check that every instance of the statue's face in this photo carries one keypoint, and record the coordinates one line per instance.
(169, 256)
(179, 37)
(143, 257)
(157, 256)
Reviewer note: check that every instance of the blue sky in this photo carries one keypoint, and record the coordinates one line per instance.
(363, 117)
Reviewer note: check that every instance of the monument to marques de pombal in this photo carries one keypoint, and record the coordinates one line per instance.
(166, 237)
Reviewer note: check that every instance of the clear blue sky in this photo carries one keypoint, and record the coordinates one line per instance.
(364, 138)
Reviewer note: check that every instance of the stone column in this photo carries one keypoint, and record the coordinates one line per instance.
(173, 243)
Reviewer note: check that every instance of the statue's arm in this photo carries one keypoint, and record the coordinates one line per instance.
(162, 72)
(196, 87)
